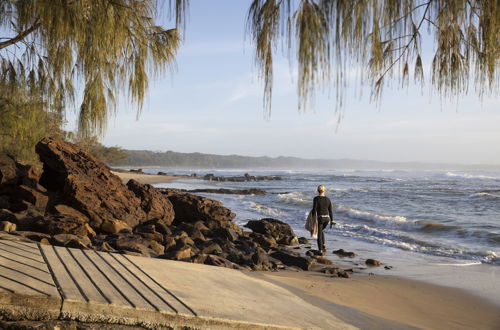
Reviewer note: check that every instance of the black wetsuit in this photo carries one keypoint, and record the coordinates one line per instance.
(323, 208)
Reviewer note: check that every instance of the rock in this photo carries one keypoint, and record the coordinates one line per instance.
(153, 203)
(191, 208)
(226, 233)
(219, 262)
(4, 202)
(313, 252)
(87, 184)
(62, 224)
(34, 236)
(373, 262)
(69, 211)
(6, 215)
(343, 253)
(251, 191)
(34, 196)
(323, 260)
(169, 243)
(197, 235)
(199, 258)
(303, 240)
(115, 226)
(30, 175)
(156, 247)
(387, 267)
(303, 263)
(71, 241)
(211, 248)
(336, 271)
(264, 241)
(280, 231)
(260, 257)
(7, 226)
(183, 242)
(132, 243)
(8, 170)
(182, 254)
(105, 247)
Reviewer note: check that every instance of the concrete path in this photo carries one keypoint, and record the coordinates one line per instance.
(43, 282)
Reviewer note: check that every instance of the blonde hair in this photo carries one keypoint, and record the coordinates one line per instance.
(321, 189)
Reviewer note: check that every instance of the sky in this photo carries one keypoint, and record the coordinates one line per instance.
(212, 103)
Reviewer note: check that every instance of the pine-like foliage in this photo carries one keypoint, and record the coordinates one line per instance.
(60, 51)
(382, 38)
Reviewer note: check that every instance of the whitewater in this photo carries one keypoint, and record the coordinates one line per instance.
(410, 219)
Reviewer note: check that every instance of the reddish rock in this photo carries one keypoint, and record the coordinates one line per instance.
(373, 262)
(192, 208)
(87, 185)
(153, 203)
(219, 262)
(35, 196)
(343, 253)
(115, 226)
(62, 224)
(8, 170)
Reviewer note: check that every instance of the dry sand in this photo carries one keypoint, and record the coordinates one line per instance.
(369, 301)
(147, 178)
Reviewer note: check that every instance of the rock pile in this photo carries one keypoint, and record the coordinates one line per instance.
(244, 178)
(76, 201)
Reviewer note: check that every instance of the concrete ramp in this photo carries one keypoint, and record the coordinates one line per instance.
(43, 282)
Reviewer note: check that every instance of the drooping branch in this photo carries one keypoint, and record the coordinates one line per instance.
(20, 36)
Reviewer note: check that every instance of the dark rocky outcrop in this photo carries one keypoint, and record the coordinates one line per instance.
(75, 201)
(280, 231)
(192, 208)
(343, 253)
(289, 259)
(252, 191)
(373, 262)
(244, 178)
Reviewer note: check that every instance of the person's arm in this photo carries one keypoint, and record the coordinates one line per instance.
(330, 211)
(314, 209)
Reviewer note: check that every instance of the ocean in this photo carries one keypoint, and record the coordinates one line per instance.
(427, 225)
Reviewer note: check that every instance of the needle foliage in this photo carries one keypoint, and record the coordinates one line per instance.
(79, 54)
(382, 38)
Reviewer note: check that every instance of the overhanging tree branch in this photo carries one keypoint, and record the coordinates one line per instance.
(20, 36)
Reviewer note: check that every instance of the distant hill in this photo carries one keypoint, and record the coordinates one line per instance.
(171, 159)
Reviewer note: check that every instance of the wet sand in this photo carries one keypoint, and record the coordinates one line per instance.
(382, 302)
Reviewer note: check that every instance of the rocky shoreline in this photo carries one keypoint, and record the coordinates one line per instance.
(75, 201)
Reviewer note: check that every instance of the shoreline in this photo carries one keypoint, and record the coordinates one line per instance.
(378, 301)
(386, 301)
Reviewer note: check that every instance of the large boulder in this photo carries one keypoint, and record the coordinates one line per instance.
(192, 208)
(153, 202)
(87, 185)
(280, 231)
(8, 169)
(288, 259)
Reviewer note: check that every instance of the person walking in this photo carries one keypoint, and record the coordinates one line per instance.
(322, 207)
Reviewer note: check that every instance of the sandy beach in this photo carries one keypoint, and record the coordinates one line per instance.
(146, 178)
(381, 302)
